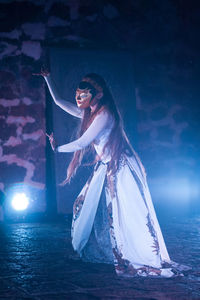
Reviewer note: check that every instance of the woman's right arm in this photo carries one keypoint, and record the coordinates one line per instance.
(102, 121)
(67, 106)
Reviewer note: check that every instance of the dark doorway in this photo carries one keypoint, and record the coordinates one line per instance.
(67, 69)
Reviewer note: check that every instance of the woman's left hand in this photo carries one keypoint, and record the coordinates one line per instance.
(43, 72)
(52, 141)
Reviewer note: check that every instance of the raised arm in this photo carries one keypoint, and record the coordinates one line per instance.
(67, 106)
(101, 122)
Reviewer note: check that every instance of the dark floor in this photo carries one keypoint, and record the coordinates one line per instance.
(37, 262)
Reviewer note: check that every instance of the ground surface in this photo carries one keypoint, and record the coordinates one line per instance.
(37, 262)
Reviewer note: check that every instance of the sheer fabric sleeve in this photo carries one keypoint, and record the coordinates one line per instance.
(98, 125)
(67, 106)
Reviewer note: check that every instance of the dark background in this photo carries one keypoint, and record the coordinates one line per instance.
(163, 40)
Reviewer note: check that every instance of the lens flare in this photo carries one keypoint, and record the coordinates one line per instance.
(20, 201)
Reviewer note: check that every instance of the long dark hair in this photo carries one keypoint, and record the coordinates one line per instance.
(118, 142)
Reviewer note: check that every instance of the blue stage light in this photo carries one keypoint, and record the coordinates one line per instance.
(20, 201)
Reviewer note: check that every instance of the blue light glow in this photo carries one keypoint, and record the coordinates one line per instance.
(20, 201)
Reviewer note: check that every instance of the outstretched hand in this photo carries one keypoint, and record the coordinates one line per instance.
(52, 141)
(43, 72)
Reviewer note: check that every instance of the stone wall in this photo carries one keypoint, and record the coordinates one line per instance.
(161, 35)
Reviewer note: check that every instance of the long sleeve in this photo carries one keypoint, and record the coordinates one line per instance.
(67, 106)
(99, 124)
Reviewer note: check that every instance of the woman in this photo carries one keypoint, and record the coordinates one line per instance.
(113, 217)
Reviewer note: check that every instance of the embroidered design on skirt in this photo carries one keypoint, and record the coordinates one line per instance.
(124, 266)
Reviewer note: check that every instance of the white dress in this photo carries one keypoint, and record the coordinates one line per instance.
(114, 220)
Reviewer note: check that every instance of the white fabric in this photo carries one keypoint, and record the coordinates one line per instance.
(164, 253)
(129, 218)
(83, 226)
(130, 223)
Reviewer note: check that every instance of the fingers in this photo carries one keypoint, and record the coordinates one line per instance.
(51, 140)
(43, 72)
(50, 136)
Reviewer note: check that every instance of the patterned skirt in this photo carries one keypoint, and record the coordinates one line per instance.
(114, 222)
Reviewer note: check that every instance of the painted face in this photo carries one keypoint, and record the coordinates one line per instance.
(83, 98)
